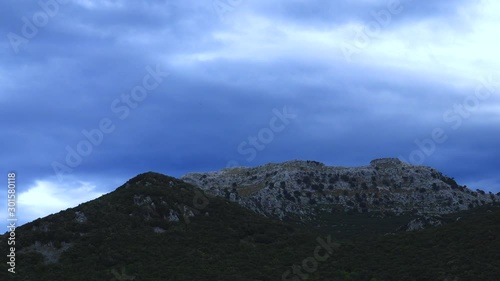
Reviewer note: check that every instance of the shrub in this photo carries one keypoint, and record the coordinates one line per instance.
(334, 179)
(306, 180)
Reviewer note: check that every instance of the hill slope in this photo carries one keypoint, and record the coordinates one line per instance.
(468, 249)
(156, 227)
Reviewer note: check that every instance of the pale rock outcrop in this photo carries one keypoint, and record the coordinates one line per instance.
(305, 188)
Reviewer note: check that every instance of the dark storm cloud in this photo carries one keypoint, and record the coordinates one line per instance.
(229, 75)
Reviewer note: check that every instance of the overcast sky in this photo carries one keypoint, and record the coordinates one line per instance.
(93, 92)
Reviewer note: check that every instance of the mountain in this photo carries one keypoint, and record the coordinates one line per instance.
(310, 190)
(156, 227)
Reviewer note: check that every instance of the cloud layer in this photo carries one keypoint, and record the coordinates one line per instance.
(363, 80)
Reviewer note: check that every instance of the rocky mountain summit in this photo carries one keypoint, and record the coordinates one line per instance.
(305, 189)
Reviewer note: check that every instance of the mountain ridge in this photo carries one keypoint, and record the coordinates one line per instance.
(301, 189)
(156, 228)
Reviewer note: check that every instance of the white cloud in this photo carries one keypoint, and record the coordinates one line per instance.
(437, 48)
(46, 197)
(102, 4)
(445, 52)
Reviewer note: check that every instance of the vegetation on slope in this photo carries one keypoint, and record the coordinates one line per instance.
(135, 234)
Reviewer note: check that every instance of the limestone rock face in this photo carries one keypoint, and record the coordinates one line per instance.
(80, 217)
(422, 222)
(303, 189)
